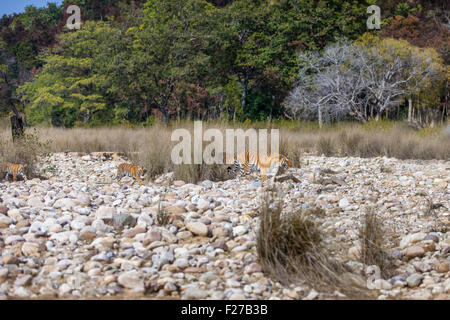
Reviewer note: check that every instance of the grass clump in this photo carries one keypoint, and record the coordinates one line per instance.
(373, 247)
(162, 215)
(290, 247)
(25, 150)
(325, 146)
(193, 173)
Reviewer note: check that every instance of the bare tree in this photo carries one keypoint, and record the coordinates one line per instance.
(349, 79)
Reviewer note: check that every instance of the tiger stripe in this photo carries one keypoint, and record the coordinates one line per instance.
(252, 161)
(14, 170)
(129, 170)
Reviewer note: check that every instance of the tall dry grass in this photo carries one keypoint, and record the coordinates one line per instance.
(25, 150)
(374, 250)
(152, 147)
(291, 248)
(394, 141)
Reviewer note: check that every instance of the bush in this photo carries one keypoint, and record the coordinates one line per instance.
(290, 247)
(325, 146)
(194, 173)
(372, 238)
(25, 150)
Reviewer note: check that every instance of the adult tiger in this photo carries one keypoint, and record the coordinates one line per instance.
(14, 170)
(266, 163)
(129, 170)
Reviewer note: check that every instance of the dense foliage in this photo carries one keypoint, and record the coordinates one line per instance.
(135, 61)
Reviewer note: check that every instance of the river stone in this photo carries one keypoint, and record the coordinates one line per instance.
(30, 249)
(413, 252)
(64, 203)
(131, 280)
(195, 293)
(105, 213)
(198, 228)
(412, 238)
(414, 280)
(5, 221)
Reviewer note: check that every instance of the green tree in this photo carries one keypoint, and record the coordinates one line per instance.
(263, 39)
(73, 84)
(169, 45)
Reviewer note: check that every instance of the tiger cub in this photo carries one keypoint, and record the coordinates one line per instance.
(136, 172)
(250, 160)
(14, 170)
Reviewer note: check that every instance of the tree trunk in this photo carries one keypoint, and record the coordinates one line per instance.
(16, 127)
(86, 118)
(164, 101)
(409, 109)
(444, 109)
(244, 91)
(165, 113)
(319, 116)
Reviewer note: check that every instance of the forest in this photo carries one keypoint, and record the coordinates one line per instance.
(138, 62)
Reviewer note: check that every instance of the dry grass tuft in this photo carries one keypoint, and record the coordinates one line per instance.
(290, 248)
(373, 248)
(25, 150)
(151, 147)
(193, 173)
(162, 215)
(325, 146)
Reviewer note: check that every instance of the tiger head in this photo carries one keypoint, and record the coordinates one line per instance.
(23, 168)
(285, 162)
(141, 172)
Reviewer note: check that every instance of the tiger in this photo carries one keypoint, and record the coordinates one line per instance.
(251, 160)
(129, 170)
(14, 170)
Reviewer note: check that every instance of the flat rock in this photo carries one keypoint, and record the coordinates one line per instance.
(412, 238)
(198, 228)
(131, 280)
(195, 293)
(414, 280)
(105, 213)
(413, 252)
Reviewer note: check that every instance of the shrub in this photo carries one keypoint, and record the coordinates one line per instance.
(194, 173)
(290, 247)
(162, 216)
(373, 247)
(325, 146)
(25, 150)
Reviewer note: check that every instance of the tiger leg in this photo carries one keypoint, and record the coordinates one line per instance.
(139, 180)
(24, 177)
(236, 166)
(247, 172)
(263, 172)
(276, 171)
(14, 176)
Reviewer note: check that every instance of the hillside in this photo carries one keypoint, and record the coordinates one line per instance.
(245, 73)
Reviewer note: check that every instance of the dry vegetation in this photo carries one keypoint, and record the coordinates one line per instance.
(373, 244)
(24, 151)
(290, 247)
(151, 147)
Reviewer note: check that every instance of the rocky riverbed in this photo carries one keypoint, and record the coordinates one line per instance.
(81, 235)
